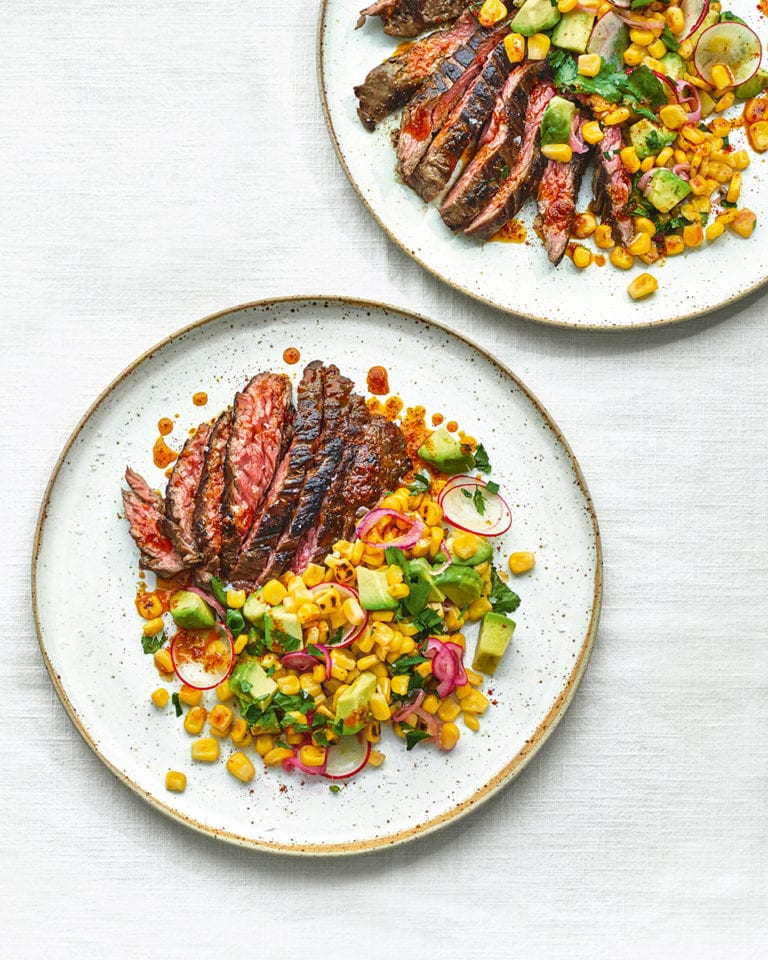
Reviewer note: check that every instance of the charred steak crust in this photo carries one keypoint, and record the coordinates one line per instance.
(180, 495)
(207, 515)
(497, 148)
(390, 84)
(261, 422)
(289, 477)
(144, 510)
(408, 18)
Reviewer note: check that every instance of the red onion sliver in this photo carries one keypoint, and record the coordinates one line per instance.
(406, 540)
(211, 601)
(299, 660)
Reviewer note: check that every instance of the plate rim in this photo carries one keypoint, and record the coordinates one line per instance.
(446, 279)
(511, 769)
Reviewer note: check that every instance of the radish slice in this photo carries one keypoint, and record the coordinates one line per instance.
(694, 12)
(346, 757)
(203, 659)
(353, 630)
(610, 38)
(733, 44)
(459, 510)
(405, 540)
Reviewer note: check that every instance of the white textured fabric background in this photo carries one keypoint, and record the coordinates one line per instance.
(164, 161)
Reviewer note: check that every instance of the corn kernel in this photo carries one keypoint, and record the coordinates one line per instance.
(394, 574)
(491, 12)
(224, 691)
(722, 76)
(478, 609)
(149, 606)
(190, 695)
(538, 46)
(744, 223)
(220, 719)
(642, 286)
(685, 50)
(604, 238)
(648, 164)
(235, 599)
(592, 132)
(565, 6)
(175, 781)
(449, 736)
(639, 244)
(641, 37)
(693, 234)
(241, 767)
(673, 244)
(474, 702)
(675, 19)
(634, 55)
(715, 230)
(514, 45)
(584, 225)
(589, 64)
(307, 612)
(194, 720)
(240, 734)
(521, 562)
(263, 743)
(206, 750)
(160, 697)
(400, 684)
(620, 115)
(448, 709)
(630, 159)
(273, 592)
(693, 134)
(621, 257)
(734, 188)
(673, 116)
(379, 706)
(151, 628)
(163, 662)
(657, 49)
(313, 574)
(400, 590)
(241, 643)
(559, 152)
(664, 156)
(289, 685)
(471, 721)
(431, 703)
(465, 545)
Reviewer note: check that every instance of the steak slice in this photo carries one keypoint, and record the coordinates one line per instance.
(180, 495)
(496, 150)
(526, 171)
(288, 480)
(319, 539)
(390, 84)
(208, 500)
(556, 200)
(261, 425)
(426, 112)
(612, 185)
(320, 473)
(381, 459)
(144, 509)
(462, 126)
(408, 18)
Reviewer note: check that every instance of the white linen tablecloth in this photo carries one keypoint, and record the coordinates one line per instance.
(164, 161)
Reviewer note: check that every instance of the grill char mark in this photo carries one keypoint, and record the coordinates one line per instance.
(145, 512)
(180, 495)
(208, 500)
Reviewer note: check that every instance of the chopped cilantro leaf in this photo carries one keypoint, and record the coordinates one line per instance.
(335, 788)
(219, 590)
(413, 736)
(502, 599)
(417, 597)
(395, 556)
(420, 484)
(491, 487)
(177, 704)
(153, 644)
(482, 462)
(428, 621)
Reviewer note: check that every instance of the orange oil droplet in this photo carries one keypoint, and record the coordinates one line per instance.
(164, 426)
(437, 419)
(162, 455)
(512, 232)
(599, 259)
(291, 355)
(200, 398)
(451, 426)
(378, 381)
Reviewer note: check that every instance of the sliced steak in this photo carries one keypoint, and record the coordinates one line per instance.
(556, 200)
(514, 190)
(316, 542)
(261, 425)
(496, 150)
(180, 495)
(612, 186)
(327, 456)
(144, 509)
(462, 126)
(390, 84)
(424, 115)
(289, 477)
(208, 500)
(408, 18)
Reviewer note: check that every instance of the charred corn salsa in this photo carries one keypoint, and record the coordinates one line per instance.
(372, 637)
(671, 75)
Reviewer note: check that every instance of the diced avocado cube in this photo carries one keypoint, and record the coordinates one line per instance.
(674, 65)
(255, 608)
(287, 623)
(535, 16)
(484, 552)
(754, 86)
(666, 190)
(352, 705)
(462, 585)
(373, 590)
(446, 452)
(573, 30)
(190, 611)
(495, 633)
(556, 121)
(419, 569)
(251, 684)
(649, 138)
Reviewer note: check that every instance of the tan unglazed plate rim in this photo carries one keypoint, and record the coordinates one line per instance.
(504, 276)
(288, 310)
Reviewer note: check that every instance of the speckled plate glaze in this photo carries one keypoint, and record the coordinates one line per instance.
(85, 573)
(519, 278)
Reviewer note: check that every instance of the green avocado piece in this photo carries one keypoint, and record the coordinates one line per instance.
(535, 16)
(251, 684)
(666, 190)
(286, 622)
(352, 705)
(573, 30)
(462, 585)
(674, 65)
(255, 608)
(495, 633)
(373, 590)
(419, 569)
(446, 452)
(190, 611)
(754, 86)
(557, 120)
(649, 138)
(484, 552)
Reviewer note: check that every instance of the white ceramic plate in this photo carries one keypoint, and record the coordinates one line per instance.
(519, 278)
(85, 571)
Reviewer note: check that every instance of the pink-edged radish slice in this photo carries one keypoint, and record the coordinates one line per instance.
(348, 756)
(203, 658)
(610, 38)
(352, 630)
(459, 504)
(735, 45)
(694, 12)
